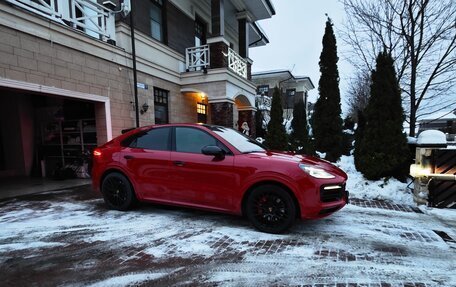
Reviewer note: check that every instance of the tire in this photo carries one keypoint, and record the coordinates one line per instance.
(271, 209)
(117, 192)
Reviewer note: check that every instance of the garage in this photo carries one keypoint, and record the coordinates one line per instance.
(45, 136)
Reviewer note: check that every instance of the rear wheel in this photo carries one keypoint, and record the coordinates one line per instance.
(271, 209)
(117, 192)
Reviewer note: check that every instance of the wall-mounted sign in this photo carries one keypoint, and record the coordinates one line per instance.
(142, 86)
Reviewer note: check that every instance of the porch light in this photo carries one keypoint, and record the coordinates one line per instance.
(144, 108)
(417, 170)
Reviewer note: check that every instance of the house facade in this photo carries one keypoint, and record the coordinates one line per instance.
(292, 88)
(444, 121)
(66, 72)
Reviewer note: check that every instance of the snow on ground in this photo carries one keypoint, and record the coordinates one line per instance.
(388, 189)
(127, 280)
(78, 242)
(153, 245)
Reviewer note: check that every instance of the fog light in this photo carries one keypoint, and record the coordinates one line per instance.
(332, 187)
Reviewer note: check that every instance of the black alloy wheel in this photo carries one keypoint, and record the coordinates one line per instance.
(271, 209)
(117, 192)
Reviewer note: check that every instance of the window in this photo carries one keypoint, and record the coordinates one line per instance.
(154, 139)
(161, 106)
(240, 141)
(200, 32)
(263, 89)
(156, 20)
(192, 140)
(290, 99)
(201, 110)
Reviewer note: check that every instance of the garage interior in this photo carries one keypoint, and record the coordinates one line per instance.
(45, 137)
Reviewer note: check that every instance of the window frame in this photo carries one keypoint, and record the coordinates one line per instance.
(161, 5)
(129, 140)
(266, 92)
(158, 103)
(220, 144)
(201, 115)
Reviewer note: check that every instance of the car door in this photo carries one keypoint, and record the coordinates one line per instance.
(197, 179)
(146, 156)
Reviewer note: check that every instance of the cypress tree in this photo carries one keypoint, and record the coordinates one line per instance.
(299, 137)
(327, 122)
(383, 150)
(359, 132)
(276, 137)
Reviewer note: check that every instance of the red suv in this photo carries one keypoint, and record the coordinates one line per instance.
(219, 169)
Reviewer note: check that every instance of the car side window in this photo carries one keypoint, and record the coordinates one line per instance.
(192, 140)
(154, 139)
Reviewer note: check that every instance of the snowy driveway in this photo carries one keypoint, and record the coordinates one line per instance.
(68, 238)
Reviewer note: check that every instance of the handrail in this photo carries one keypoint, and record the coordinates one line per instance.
(236, 63)
(197, 58)
(90, 17)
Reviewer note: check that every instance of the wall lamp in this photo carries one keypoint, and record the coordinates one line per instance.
(144, 108)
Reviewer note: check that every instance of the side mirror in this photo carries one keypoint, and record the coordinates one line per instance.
(213, 150)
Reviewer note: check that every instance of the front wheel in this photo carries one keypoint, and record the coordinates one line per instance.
(271, 209)
(117, 192)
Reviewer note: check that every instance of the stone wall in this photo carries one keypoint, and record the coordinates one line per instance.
(31, 59)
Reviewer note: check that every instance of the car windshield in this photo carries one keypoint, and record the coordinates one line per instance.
(240, 141)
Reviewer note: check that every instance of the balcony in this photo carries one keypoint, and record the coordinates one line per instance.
(198, 58)
(237, 64)
(84, 15)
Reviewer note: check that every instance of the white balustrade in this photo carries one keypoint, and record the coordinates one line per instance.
(85, 15)
(197, 58)
(236, 63)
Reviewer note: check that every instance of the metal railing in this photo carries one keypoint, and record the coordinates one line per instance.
(197, 58)
(236, 63)
(87, 16)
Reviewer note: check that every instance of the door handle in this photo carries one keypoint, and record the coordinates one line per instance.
(179, 163)
(128, 157)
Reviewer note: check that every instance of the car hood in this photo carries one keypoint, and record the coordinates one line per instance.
(306, 159)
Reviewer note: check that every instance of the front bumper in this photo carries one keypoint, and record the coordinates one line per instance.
(328, 199)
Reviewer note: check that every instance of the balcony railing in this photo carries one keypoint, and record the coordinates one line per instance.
(197, 58)
(237, 64)
(88, 16)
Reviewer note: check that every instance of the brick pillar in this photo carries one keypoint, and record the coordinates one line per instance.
(249, 117)
(218, 51)
(222, 114)
(243, 35)
(249, 68)
(218, 17)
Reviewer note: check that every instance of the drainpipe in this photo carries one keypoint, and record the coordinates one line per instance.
(281, 94)
(133, 55)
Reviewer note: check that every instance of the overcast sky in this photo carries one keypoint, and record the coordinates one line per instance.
(295, 34)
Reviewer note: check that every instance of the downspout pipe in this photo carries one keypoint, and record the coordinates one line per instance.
(133, 55)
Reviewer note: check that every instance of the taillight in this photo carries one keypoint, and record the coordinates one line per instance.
(97, 152)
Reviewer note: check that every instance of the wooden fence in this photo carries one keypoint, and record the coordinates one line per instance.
(442, 194)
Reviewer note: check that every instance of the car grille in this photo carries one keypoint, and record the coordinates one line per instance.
(330, 193)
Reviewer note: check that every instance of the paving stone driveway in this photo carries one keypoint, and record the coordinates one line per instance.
(68, 238)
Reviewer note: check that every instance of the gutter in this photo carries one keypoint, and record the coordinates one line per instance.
(262, 36)
(270, 6)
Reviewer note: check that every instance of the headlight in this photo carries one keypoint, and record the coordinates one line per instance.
(315, 171)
